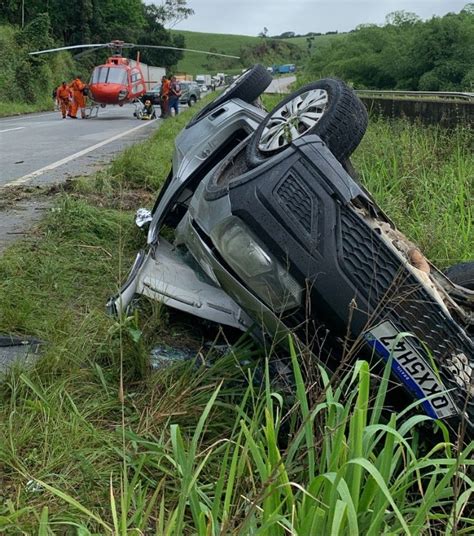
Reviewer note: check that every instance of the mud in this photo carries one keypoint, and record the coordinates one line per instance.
(19, 213)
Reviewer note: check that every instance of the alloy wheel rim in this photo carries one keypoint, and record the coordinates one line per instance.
(293, 120)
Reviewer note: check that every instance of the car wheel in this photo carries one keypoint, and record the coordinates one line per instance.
(192, 101)
(328, 108)
(248, 86)
(462, 274)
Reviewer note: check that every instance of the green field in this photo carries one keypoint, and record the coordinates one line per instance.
(288, 51)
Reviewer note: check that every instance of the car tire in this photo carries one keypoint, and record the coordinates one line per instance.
(191, 101)
(329, 108)
(462, 274)
(248, 87)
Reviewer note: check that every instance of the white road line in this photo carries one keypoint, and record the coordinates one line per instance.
(9, 129)
(55, 165)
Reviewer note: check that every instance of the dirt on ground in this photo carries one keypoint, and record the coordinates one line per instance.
(22, 207)
(126, 200)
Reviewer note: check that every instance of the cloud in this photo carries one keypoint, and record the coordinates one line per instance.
(248, 17)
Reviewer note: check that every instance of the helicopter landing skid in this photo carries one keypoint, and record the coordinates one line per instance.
(92, 111)
(138, 108)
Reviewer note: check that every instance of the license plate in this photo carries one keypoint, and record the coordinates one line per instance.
(411, 368)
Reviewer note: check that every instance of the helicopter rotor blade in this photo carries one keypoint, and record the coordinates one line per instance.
(67, 48)
(131, 45)
(89, 51)
(186, 50)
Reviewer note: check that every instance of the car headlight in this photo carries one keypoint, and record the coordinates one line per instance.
(122, 94)
(256, 267)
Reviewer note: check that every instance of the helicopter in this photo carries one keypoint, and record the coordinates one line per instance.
(117, 81)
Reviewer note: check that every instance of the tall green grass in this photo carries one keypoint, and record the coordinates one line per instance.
(232, 461)
(92, 441)
(423, 178)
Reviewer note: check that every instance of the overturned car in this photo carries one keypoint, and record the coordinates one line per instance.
(274, 233)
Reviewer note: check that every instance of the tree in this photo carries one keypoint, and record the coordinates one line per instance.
(171, 12)
(400, 18)
(406, 53)
(154, 33)
(468, 9)
(263, 33)
(284, 35)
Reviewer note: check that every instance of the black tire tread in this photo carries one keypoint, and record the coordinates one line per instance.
(462, 274)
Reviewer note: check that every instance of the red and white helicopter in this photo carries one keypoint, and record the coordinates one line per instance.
(117, 81)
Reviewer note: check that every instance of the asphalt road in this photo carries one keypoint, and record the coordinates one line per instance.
(281, 85)
(44, 148)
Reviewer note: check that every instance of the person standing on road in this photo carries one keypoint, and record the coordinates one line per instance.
(175, 93)
(164, 96)
(78, 88)
(63, 98)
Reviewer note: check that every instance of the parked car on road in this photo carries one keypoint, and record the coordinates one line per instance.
(152, 95)
(274, 234)
(190, 93)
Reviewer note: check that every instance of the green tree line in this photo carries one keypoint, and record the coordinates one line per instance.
(26, 26)
(405, 53)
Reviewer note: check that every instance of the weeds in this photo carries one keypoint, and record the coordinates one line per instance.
(223, 471)
(423, 178)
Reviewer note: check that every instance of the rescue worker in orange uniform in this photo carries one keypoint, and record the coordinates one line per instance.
(77, 87)
(164, 96)
(63, 98)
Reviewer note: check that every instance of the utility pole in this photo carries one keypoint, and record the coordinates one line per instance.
(22, 13)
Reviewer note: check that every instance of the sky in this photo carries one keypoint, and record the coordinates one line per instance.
(249, 17)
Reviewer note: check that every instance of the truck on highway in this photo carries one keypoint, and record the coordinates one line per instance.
(219, 79)
(204, 79)
(284, 69)
(151, 73)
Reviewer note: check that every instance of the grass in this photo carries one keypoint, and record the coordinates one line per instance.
(422, 177)
(17, 108)
(92, 441)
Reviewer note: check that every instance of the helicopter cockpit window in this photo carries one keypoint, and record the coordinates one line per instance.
(136, 75)
(110, 75)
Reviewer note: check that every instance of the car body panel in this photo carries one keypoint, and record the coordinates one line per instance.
(311, 215)
(195, 146)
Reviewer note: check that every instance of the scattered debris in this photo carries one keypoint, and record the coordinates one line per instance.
(143, 217)
(15, 349)
(163, 356)
(418, 260)
(34, 487)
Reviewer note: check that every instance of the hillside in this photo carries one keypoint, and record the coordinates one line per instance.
(26, 83)
(318, 40)
(251, 49)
